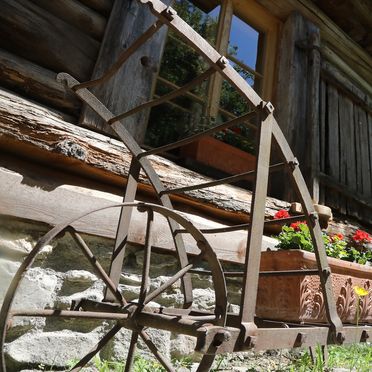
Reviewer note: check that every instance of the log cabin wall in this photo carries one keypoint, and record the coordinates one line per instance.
(345, 136)
(40, 38)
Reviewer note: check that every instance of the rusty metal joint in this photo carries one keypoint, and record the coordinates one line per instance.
(222, 62)
(340, 338)
(314, 216)
(293, 164)
(326, 272)
(169, 13)
(267, 107)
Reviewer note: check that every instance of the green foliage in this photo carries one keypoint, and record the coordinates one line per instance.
(356, 357)
(297, 236)
(180, 64)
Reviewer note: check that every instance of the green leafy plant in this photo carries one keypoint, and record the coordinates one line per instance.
(297, 236)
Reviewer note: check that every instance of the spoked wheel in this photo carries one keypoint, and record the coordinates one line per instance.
(135, 315)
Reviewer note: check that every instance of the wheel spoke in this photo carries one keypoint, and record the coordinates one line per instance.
(96, 265)
(173, 279)
(130, 355)
(147, 257)
(78, 366)
(162, 360)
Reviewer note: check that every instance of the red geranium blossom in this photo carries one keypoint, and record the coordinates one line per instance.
(339, 236)
(296, 225)
(361, 237)
(236, 130)
(281, 214)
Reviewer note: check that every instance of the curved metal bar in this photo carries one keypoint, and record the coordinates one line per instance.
(154, 179)
(210, 256)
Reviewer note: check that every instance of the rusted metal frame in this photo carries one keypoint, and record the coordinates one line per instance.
(195, 98)
(185, 141)
(163, 361)
(134, 148)
(96, 265)
(235, 274)
(145, 283)
(131, 350)
(173, 279)
(166, 97)
(122, 231)
(244, 66)
(223, 181)
(153, 29)
(255, 231)
(197, 42)
(315, 231)
(244, 226)
(108, 336)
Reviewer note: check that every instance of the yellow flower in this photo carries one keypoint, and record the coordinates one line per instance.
(360, 291)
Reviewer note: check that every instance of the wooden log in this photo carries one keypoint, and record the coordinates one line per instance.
(128, 20)
(36, 133)
(36, 82)
(39, 198)
(76, 14)
(102, 6)
(32, 33)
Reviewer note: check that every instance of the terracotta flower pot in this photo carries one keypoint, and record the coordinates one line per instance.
(219, 155)
(299, 298)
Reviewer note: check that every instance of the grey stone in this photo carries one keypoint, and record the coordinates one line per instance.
(182, 346)
(54, 349)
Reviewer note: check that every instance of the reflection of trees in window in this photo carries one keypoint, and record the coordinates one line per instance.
(180, 64)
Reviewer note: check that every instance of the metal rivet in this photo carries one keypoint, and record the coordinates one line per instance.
(169, 13)
(294, 163)
(222, 62)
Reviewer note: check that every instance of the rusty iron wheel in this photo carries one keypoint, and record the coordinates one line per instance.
(131, 315)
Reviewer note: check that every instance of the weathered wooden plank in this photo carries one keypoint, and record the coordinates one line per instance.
(322, 134)
(358, 150)
(38, 198)
(128, 20)
(36, 82)
(37, 133)
(32, 33)
(332, 147)
(333, 75)
(347, 149)
(369, 124)
(313, 112)
(365, 145)
(77, 15)
(101, 6)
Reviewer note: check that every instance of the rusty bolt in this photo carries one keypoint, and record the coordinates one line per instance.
(169, 13)
(340, 337)
(294, 163)
(222, 62)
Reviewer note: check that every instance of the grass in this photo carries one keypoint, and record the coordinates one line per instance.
(356, 358)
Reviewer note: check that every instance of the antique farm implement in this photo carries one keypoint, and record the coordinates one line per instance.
(217, 331)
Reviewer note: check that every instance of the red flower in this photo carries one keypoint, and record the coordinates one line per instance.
(339, 236)
(281, 214)
(361, 237)
(296, 225)
(236, 130)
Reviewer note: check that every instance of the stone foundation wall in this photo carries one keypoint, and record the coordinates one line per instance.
(61, 274)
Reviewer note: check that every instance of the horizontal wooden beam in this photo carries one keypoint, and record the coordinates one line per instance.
(35, 193)
(33, 33)
(76, 14)
(36, 82)
(38, 134)
(101, 6)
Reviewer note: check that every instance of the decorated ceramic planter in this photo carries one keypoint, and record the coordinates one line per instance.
(219, 155)
(300, 298)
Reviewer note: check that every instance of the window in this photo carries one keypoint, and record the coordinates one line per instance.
(242, 31)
